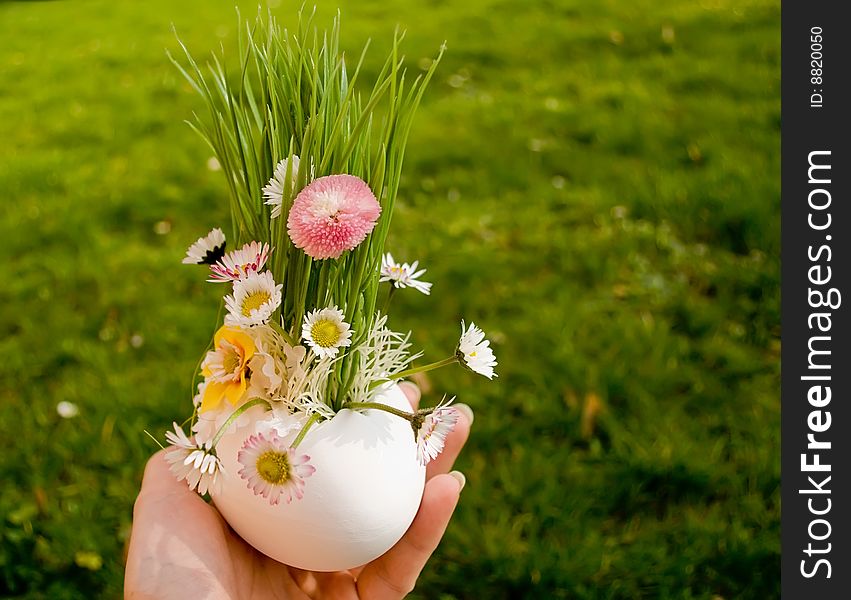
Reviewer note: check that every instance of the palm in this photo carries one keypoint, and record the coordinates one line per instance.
(182, 547)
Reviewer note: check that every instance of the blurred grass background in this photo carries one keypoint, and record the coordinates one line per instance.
(595, 183)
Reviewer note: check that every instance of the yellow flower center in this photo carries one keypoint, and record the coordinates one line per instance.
(254, 301)
(325, 333)
(231, 361)
(273, 467)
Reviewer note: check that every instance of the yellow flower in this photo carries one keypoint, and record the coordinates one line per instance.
(226, 367)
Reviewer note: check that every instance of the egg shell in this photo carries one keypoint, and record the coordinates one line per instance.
(362, 498)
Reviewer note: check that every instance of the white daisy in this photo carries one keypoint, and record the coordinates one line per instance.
(403, 275)
(199, 467)
(433, 431)
(206, 250)
(241, 263)
(272, 469)
(254, 300)
(326, 332)
(273, 192)
(474, 351)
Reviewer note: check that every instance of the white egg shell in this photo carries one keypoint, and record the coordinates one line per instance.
(363, 496)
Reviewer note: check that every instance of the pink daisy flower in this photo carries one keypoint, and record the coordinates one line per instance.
(239, 264)
(198, 465)
(432, 434)
(331, 215)
(272, 469)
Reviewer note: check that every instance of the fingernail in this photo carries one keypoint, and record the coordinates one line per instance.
(459, 477)
(466, 411)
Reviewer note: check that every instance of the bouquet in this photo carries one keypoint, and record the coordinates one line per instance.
(299, 432)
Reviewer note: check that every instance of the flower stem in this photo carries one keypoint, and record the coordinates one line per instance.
(386, 308)
(378, 406)
(310, 422)
(413, 370)
(234, 416)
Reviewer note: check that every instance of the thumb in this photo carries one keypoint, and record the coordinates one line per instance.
(159, 481)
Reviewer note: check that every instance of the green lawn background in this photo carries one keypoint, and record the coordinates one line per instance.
(595, 183)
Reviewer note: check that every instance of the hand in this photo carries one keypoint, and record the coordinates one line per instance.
(181, 547)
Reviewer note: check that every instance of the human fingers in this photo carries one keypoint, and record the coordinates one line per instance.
(155, 550)
(163, 500)
(394, 574)
(412, 391)
(158, 480)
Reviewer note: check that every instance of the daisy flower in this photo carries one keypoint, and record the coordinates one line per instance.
(272, 469)
(199, 467)
(254, 300)
(241, 263)
(226, 368)
(331, 215)
(326, 332)
(432, 433)
(403, 275)
(206, 250)
(474, 351)
(273, 192)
